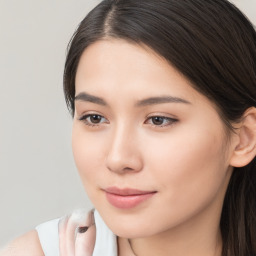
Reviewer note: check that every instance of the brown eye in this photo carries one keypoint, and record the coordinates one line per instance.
(161, 121)
(95, 119)
(158, 120)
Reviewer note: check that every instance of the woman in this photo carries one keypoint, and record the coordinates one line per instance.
(163, 96)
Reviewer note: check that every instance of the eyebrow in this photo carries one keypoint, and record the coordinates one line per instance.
(160, 100)
(87, 97)
(145, 102)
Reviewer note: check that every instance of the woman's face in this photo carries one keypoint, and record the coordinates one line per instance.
(151, 151)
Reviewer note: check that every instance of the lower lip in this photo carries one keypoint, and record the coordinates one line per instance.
(127, 202)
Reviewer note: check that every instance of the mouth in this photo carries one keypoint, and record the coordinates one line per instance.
(127, 198)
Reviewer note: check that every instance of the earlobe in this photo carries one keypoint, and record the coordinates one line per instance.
(245, 147)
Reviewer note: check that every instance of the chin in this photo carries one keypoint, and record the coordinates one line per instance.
(128, 225)
(131, 232)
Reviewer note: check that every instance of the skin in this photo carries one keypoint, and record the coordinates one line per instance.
(185, 159)
(28, 244)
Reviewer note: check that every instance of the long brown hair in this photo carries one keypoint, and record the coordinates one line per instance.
(212, 44)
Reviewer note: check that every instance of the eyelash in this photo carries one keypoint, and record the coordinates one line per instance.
(170, 121)
(85, 117)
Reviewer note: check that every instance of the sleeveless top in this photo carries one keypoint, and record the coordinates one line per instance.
(61, 237)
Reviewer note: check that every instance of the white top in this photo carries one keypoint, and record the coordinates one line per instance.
(49, 236)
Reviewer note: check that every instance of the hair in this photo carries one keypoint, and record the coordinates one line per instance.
(213, 45)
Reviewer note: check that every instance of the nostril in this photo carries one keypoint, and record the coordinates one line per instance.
(124, 167)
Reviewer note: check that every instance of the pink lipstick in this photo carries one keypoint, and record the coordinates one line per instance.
(127, 198)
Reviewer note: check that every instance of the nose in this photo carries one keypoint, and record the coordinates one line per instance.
(123, 154)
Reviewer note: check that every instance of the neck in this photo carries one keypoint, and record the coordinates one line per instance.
(186, 245)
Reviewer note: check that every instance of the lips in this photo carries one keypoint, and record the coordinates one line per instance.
(127, 198)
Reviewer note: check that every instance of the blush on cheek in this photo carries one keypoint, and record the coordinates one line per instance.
(189, 162)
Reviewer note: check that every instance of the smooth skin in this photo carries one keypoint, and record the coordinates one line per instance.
(26, 245)
(140, 124)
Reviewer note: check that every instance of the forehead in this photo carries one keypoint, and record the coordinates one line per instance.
(115, 54)
(118, 61)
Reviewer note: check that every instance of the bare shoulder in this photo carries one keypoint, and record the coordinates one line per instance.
(25, 245)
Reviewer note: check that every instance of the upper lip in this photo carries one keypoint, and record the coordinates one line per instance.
(127, 191)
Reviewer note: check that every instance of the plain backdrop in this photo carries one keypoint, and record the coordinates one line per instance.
(38, 178)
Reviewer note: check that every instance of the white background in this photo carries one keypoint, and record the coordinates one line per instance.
(38, 179)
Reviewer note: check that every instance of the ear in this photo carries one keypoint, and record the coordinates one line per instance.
(245, 145)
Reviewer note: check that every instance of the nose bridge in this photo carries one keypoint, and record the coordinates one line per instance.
(123, 154)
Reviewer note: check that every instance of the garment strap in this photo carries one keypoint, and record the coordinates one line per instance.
(49, 237)
(106, 241)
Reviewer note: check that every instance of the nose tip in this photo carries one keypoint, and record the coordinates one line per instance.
(123, 156)
(123, 165)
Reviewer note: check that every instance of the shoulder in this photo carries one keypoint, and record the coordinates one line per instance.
(27, 244)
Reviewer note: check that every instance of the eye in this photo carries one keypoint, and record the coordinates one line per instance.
(161, 121)
(93, 119)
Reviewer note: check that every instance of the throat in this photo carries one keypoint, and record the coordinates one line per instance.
(125, 247)
(142, 247)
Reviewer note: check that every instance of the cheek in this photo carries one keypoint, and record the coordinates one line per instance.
(87, 155)
(188, 165)
(181, 149)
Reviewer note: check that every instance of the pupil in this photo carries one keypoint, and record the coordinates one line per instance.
(158, 120)
(95, 119)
